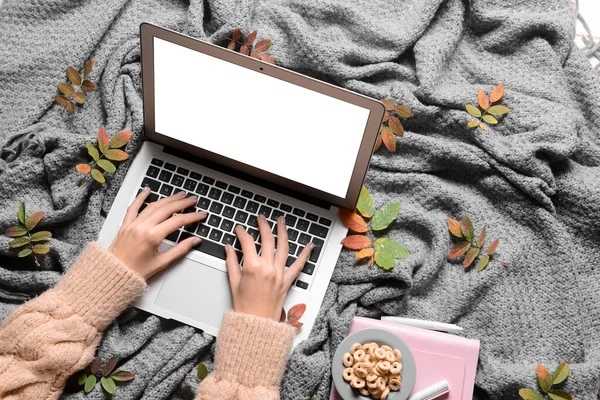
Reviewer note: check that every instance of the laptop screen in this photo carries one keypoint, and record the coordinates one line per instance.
(256, 119)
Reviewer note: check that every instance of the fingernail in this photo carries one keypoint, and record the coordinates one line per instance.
(311, 245)
(196, 241)
(281, 219)
(227, 248)
(195, 198)
(180, 194)
(238, 226)
(262, 216)
(203, 213)
(146, 189)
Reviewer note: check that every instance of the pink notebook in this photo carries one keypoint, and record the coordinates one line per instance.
(438, 356)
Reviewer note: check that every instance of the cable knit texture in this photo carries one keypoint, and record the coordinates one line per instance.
(49, 338)
(250, 359)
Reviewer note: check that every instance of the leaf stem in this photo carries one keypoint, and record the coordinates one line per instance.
(37, 263)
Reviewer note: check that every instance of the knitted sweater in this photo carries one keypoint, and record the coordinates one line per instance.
(55, 335)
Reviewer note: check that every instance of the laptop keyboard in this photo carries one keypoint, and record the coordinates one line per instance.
(227, 206)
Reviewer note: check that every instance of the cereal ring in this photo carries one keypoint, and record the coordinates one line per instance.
(359, 355)
(360, 372)
(380, 383)
(364, 392)
(348, 374)
(384, 366)
(385, 393)
(348, 360)
(380, 353)
(386, 347)
(355, 346)
(389, 356)
(369, 358)
(372, 385)
(357, 383)
(396, 368)
(394, 384)
(377, 372)
(371, 378)
(398, 355)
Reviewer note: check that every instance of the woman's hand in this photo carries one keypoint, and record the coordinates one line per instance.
(136, 243)
(260, 288)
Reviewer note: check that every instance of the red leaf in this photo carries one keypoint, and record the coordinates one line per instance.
(296, 312)
(267, 58)
(244, 50)
(87, 70)
(497, 93)
(103, 141)
(231, 45)
(123, 376)
(492, 249)
(263, 45)
(353, 221)
(250, 39)
(109, 367)
(83, 168)
(255, 54)
(458, 250)
(95, 365)
(483, 100)
(296, 324)
(237, 34)
(396, 126)
(403, 111)
(34, 219)
(356, 242)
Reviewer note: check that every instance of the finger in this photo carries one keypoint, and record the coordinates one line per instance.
(177, 221)
(160, 203)
(248, 247)
(233, 268)
(134, 208)
(294, 270)
(267, 241)
(282, 243)
(164, 211)
(176, 252)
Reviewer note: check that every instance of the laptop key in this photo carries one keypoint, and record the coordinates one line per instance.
(202, 189)
(189, 185)
(276, 214)
(308, 268)
(214, 194)
(227, 198)
(253, 221)
(237, 245)
(290, 220)
(252, 207)
(247, 193)
(177, 190)
(215, 235)
(292, 234)
(241, 216)
(178, 180)
(216, 207)
(183, 171)
(272, 203)
(234, 189)
(203, 230)
(285, 207)
(318, 230)
(228, 239)
(173, 236)
(293, 247)
(152, 197)
(299, 212)
(203, 203)
(165, 176)
(254, 233)
(229, 212)
(304, 238)
(214, 220)
(152, 171)
(221, 184)
(212, 248)
(239, 202)
(166, 190)
(312, 217)
(325, 221)
(151, 183)
(227, 225)
(170, 167)
(264, 210)
(300, 248)
(290, 260)
(142, 208)
(208, 179)
(259, 198)
(195, 175)
(191, 227)
(301, 284)
(302, 224)
(156, 161)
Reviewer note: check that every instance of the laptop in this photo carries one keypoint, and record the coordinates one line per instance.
(248, 138)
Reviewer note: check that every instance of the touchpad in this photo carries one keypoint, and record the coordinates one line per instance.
(196, 291)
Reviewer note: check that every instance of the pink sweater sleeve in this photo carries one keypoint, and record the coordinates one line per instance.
(54, 335)
(250, 359)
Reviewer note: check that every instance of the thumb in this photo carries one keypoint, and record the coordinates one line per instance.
(233, 267)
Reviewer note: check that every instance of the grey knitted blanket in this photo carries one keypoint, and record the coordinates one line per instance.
(533, 179)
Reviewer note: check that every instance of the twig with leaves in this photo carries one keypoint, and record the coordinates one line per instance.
(547, 382)
(109, 150)
(80, 85)
(247, 47)
(488, 111)
(108, 378)
(465, 232)
(293, 315)
(33, 239)
(391, 125)
(385, 250)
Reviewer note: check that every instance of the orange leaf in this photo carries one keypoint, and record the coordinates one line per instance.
(403, 111)
(454, 227)
(386, 116)
(87, 70)
(497, 93)
(364, 253)
(263, 45)
(389, 140)
(244, 50)
(103, 141)
(483, 100)
(396, 126)
(296, 324)
(482, 126)
(231, 45)
(116, 155)
(353, 221)
(458, 250)
(492, 249)
(250, 39)
(378, 142)
(296, 312)
(120, 139)
(389, 105)
(356, 242)
(83, 168)
(255, 54)
(237, 34)
(267, 58)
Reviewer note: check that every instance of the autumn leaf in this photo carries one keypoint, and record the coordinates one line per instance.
(356, 242)
(15, 231)
(21, 213)
(250, 38)
(466, 227)
(386, 116)
(34, 219)
(364, 253)
(66, 89)
(267, 58)
(244, 50)
(237, 34)
(560, 374)
(366, 204)
(120, 139)
(454, 228)
(40, 236)
(255, 54)
(70, 108)
(353, 221)
(497, 93)
(384, 217)
(87, 70)
(378, 142)
(481, 239)
(458, 250)
(403, 111)
(88, 86)
(490, 120)
(60, 99)
(396, 126)
(231, 45)
(483, 263)
(103, 141)
(483, 100)
(474, 111)
(544, 378)
(296, 312)
(18, 242)
(98, 176)
(482, 126)
(389, 140)
(83, 168)
(492, 249)
(73, 76)
(528, 394)
(498, 110)
(470, 257)
(473, 124)
(109, 367)
(123, 376)
(263, 45)
(80, 98)
(389, 104)
(95, 365)
(556, 394)
(92, 151)
(116, 155)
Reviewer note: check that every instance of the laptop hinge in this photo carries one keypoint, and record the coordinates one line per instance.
(247, 177)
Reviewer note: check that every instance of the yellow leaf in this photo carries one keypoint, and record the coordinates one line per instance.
(364, 253)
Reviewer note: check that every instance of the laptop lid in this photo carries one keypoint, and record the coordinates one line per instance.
(271, 123)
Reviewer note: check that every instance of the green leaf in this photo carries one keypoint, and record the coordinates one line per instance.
(385, 216)
(106, 165)
(202, 371)
(21, 213)
(15, 231)
(92, 151)
(366, 204)
(25, 253)
(544, 378)
(108, 384)
(18, 242)
(498, 110)
(34, 219)
(490, 120)
(529, 394)
(385, 260)
(123, 376)
(41, 235)
(556, 394)
(561, 373)
(483, 263)
(470, 257)
(82, 378)
(116, 155)
(474, 111)
(120, 139)
(98, 176)
(396, 249)
(90, 382)
(73, 76)
(41, 249)
(466, 226)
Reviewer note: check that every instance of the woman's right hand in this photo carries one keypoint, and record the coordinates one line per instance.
(261, 287)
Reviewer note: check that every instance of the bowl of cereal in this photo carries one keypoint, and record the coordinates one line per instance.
(373, 364)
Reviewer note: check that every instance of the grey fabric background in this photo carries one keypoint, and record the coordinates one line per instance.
(533, 179)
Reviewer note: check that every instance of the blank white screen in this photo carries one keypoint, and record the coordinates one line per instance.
(256, 119)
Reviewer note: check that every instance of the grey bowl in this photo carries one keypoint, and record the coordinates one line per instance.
(380, 336)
